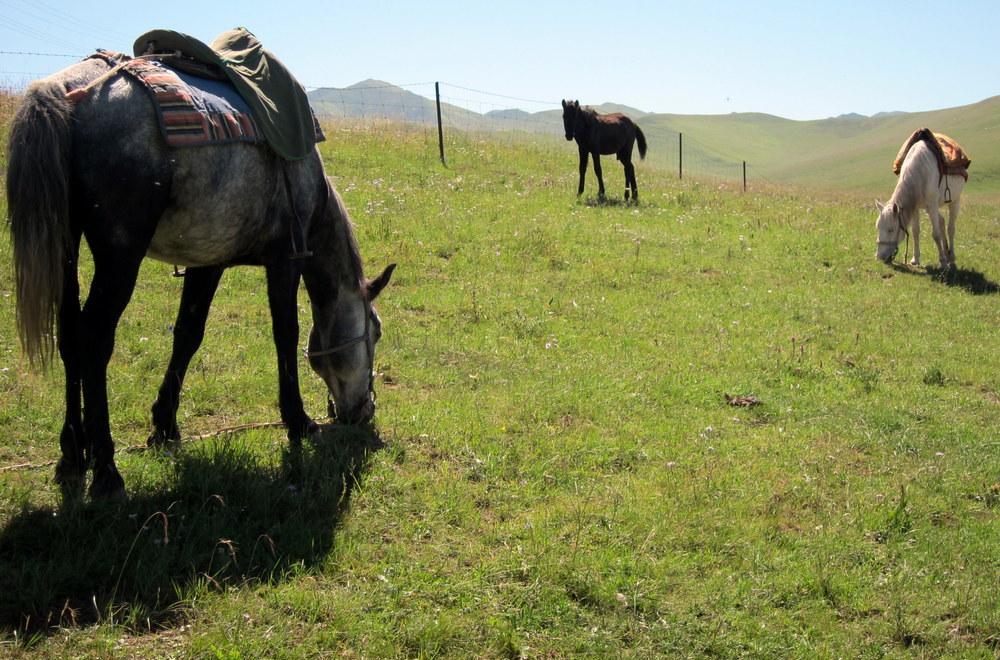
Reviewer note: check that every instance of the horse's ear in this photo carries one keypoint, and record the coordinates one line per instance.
(895, 208)
(376, 285)
(879, 205)
(564, 104)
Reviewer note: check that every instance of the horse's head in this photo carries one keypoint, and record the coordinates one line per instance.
(891, 230)
(342, 350)
(571, 115)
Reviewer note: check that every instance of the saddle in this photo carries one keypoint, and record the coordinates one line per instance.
(951, 158)
(276, 99)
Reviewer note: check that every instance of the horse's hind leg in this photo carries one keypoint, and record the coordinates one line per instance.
(630, 180)
(115, 274)
(953, 209)
(915, 231)
(938, 232)
(200, 285)
(71, 469)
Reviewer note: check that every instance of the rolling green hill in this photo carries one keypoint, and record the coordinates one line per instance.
(849, 153)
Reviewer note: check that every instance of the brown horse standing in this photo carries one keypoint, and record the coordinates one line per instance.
(598, 134)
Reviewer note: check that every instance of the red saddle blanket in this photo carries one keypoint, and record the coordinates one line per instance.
(951, 158)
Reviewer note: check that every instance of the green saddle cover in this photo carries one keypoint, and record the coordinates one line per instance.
(276, 98)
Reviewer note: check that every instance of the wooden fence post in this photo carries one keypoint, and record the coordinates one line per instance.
(437, 94)
(680, 155)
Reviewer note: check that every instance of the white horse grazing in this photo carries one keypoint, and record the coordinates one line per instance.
(921, 186)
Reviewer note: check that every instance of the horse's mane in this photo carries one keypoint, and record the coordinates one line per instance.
(344, 230)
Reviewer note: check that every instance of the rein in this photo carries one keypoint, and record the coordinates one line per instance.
(906, 252)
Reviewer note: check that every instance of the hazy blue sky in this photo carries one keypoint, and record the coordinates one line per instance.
(799, 60)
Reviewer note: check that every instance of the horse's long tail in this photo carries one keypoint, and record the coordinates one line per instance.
(641, 141)
(38, 210)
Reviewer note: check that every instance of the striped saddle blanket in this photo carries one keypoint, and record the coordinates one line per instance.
(951, 158)
(194, 111)
(197, 111)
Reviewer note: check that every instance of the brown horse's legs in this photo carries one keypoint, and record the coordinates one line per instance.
(600, 175)
(584, 156)
(630, 180)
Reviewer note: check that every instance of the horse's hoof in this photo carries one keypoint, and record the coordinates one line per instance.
(108, 486)
(157, 440)
(110, 494)
(71, 479)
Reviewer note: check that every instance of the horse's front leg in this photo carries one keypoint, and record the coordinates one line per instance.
(600, 175)
(584, 157)
(915, 231)
(282, 289)
(200, 285)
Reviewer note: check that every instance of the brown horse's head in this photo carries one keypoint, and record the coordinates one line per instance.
(571, 115)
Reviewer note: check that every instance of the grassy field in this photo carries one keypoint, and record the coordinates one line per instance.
(557, 467)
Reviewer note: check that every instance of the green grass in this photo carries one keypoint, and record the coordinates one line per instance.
(554, 469)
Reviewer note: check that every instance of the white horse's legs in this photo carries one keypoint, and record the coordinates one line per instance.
(915, 230)
(938, 230)
(953, 209)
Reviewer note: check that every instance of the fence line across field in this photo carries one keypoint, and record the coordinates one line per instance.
(457, 113)
(460, 113)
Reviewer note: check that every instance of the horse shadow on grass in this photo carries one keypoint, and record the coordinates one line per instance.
(226, 517)
(971, 281)
(607, 201)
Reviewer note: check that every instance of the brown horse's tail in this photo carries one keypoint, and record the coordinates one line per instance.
(38, 210)
(641, 141)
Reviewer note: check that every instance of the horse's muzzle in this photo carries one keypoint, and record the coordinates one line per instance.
(359, 415)
(569, 138)
(886, 256)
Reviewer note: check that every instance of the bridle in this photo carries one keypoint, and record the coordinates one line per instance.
(369, 344)
(895, 245)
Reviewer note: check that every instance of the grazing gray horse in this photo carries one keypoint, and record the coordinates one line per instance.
(97, 167)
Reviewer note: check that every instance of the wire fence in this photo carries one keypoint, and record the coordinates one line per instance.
(463, 115)
(468, 115)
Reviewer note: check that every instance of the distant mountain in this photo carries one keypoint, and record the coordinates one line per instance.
(611, 108)
(381, 100)
(373, 98)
